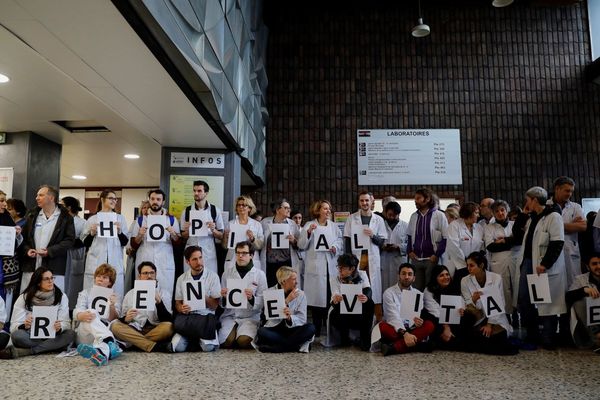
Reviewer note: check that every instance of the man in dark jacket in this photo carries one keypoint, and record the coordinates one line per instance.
(47, 236)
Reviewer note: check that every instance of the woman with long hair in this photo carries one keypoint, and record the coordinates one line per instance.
(41, 292)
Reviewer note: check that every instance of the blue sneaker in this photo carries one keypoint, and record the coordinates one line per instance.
(115, 350)
(91, 353)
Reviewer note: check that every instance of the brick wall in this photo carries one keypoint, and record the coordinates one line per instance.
(510, 79)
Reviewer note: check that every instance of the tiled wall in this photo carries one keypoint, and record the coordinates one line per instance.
(510, 79)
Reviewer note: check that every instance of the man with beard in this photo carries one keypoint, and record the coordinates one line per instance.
(426, 236)
(159, 252)
(394, 250)
(215, 226)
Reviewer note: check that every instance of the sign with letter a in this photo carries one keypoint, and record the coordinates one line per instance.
(321, 242)
(42, 324)
(492, 301)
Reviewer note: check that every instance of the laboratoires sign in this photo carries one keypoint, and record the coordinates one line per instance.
(198, 160)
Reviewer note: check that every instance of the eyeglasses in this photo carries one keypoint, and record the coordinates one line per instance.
(286, 208)
(241, 205)
(242, 253)
(48, 279)
(148, 273)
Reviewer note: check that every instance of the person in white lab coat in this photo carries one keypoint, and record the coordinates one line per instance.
(372, 225)
(271, 259)
(320, 266)
(215, 226)
(465, 236)
(291, 333)
(160, 253)
(96, 341)
(499, 244)
(239, 326)
(105, 250)
(40, 291)
(542, 234)
(393, 252)
(244, 207)
(196, 329)
(487, 335)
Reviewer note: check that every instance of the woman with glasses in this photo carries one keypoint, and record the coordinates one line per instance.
(272, 257)
(244, 208)
(41, 292)
(107, 250)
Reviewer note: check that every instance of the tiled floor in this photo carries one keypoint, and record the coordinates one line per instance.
(322, 374)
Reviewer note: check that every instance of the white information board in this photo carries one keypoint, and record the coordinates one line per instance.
(409, 157)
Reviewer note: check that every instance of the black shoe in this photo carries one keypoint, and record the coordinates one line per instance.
(387, 349)
(424, 347)
(548, 346)
(161, 347)
(7, 354)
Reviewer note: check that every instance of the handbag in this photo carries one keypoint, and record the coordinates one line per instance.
(11, 271)
(196, 326)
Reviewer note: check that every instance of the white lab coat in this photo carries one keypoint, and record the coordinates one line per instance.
(503, 262)
(98, 329)
(294, 231)
(437, 228)
(391, 307)
(207, 243)
(256, 228)
(105, 250)
(210, 285)
(377, 225)
(20, 313)
(144, 316)
(319, 265)
(461, 242)
(570, 212)
(74, 271)
(549, 228)
(160, 253)
(469, 285)
(246, 319)
(391, 260)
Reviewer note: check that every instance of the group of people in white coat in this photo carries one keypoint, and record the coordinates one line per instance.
(443, 259)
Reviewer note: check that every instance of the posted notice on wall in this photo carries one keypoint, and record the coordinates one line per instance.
(409, 157)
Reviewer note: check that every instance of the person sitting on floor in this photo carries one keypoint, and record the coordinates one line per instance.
(150, 331)
(402, 335)
(487, 335)
(196, 328)
(96, 341)
(291, 333)
(349, 274)
(239, 326)
(583, 287)
(41, 292)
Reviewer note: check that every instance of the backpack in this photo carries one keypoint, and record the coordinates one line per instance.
(213, 213)
(140, 220)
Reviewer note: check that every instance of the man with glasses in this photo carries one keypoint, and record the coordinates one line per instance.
(146, 330)
(215, 226)
(485, 211)
(239, 326)
(160, 252)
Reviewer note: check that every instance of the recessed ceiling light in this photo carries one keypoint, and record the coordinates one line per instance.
(79, 177)
(4, 78)
(132, 156)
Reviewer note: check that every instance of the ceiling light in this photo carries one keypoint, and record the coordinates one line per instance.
(502, 3)
(421, 29)
(4, 78)
(132, 156)
(79, 177)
